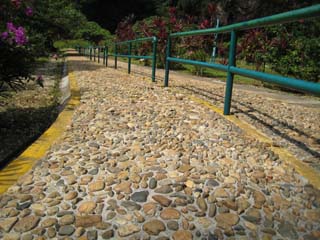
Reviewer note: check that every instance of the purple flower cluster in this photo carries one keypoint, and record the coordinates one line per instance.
(29, 11)
(14, 35)
(20, 37)
(4, 35)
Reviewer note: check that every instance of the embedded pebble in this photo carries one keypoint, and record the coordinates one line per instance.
(140, 196)
(154, 227)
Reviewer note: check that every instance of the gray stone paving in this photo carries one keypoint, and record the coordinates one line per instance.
(292, 121)
(142, 162)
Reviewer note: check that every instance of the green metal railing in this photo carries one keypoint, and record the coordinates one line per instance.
(231, 69)
(94, 53)
(129, 44)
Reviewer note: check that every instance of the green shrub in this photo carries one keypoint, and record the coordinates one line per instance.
(296, 53)
(62, 44)
(198, 55)
(16, 65)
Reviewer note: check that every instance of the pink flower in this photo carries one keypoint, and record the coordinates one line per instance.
(40, 80)
(11, 27)
(4, 35)
(172, 10)
(173, 20)
(15, 34)
(29, 11)
(20, 36)
(205, 24)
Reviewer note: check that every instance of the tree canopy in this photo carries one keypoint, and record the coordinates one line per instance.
(109, 13)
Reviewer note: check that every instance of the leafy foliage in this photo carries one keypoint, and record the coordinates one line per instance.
(199, 55)
(92, 32)
(62, 44)
(254, 47)
(289, 49)
(16, 64)
(28, 30)
(297, 51)
(17, 60)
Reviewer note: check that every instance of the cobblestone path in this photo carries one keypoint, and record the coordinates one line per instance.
(143, 162)
(291, 121)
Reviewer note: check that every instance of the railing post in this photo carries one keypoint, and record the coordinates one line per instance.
(129, 57)
(231, 63)
(115, 56)
(168, 52)
(104, 55)
(154, 58)
(98, 54)
(107, 55)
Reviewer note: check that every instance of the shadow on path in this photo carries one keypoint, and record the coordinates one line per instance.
(20, 127)
(277, 126)
(249, 113)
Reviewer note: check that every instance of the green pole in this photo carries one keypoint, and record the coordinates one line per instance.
(94, 53)
(154, 58)
(107, 56)
(115, 56)
(231, 63)
(90, 53)
(104, 55)
(129, 57)
(168, 51)
(98, 54)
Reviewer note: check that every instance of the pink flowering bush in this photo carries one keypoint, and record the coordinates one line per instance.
(162, 26)
(17, 59)
(29, 11)
(14, 35)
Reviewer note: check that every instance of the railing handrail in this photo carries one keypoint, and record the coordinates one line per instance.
(294, 15)
(231, 69)
(153, 57)
(137, 40)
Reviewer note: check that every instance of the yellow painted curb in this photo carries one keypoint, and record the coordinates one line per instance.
(22, 164)
(302, 168)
